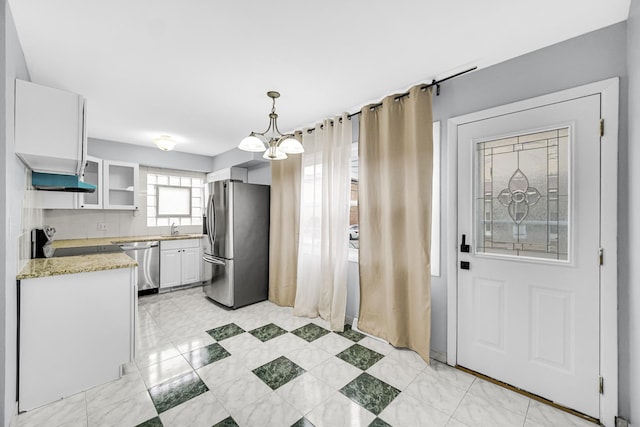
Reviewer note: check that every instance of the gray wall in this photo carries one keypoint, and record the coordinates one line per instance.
(148, 156)
(5, 272)
(591, 57)
(260, 174)
(237, 157)
(561, 66)
(630, 271)
(12, 192)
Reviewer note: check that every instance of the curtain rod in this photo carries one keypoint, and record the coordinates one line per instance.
(434, 82)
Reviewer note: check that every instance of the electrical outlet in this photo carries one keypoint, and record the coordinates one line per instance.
(102, 226)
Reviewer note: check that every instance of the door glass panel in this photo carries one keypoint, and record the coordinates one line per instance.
(522, 195)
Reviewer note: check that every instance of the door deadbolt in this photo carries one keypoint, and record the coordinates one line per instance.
(463, 246)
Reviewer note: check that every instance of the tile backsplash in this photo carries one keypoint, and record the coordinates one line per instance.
(83, 223)
(32, 217)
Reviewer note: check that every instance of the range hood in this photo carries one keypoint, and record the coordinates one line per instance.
(55, 182)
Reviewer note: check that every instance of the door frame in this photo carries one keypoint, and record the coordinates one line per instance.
(609, 91)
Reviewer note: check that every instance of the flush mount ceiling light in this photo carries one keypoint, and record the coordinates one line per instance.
(165, 143)
(275, 145)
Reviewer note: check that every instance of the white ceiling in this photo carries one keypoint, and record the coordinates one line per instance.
(198, 70)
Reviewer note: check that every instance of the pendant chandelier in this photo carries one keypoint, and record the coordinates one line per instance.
(275, 145)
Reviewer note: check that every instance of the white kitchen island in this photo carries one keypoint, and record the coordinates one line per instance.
(77, 319)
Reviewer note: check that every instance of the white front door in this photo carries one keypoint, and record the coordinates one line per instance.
(528, 287)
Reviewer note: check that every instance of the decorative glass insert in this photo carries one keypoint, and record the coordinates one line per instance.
(522, 195)
(168, 198)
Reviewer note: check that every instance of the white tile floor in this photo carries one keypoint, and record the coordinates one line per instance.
(173, 324)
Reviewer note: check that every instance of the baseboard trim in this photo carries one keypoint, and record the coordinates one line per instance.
(440, 356)
(14, 418)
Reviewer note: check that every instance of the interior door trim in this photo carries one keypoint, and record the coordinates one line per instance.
(609, 92)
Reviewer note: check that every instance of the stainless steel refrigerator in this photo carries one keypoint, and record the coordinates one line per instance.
(238, 231)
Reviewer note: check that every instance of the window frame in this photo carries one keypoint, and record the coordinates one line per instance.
(156, 177)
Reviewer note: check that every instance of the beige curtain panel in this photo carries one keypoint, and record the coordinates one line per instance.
(394, 207)
(284, 229)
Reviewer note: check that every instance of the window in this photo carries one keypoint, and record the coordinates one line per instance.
(172, 198)
(354, 232)
(173, 201)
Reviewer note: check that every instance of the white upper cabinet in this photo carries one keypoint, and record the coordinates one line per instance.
(116, 188)
(50, 129)
(120, 185)
(92, 175)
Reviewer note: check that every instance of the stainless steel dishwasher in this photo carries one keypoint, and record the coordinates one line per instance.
(148, 256)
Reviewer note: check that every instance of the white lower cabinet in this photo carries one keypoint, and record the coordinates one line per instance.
(76, 331)
(190, 267)
(170, 269)
(179, 262)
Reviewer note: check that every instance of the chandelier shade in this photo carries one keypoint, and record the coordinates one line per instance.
(252, 143)
(274, 153)
(291, 146)
(275, 144)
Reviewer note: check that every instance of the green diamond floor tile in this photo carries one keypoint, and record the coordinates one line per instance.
(227, 422)
(226, 331)
(371, 393)
(303, 422)
(351, 334)
(359, 356)
(310, 332)
(278, 372)
(153, 422)
(206, 355)
(379, 423)
(176, 391)
(267, 332)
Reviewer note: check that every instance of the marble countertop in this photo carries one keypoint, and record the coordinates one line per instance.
(101, 241)
(45, 267)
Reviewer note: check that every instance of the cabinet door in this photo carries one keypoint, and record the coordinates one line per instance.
(120, 185)
(50, 130)
(170, 274)
(190, 265)
(92, 175)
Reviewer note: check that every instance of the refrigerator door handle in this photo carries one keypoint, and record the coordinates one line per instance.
(210, 259)
(210, 221)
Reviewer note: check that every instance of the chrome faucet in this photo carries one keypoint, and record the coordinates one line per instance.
(174, 229)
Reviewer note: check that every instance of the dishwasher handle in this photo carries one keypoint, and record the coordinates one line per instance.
(138, 248)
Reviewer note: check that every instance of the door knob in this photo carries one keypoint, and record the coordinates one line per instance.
(463, 246)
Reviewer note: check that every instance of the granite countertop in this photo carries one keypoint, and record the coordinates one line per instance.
(101, 241)
(45, 267)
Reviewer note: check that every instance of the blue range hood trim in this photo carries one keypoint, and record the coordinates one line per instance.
(55, 182)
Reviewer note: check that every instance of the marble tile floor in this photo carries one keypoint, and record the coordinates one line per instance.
(198, 364)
